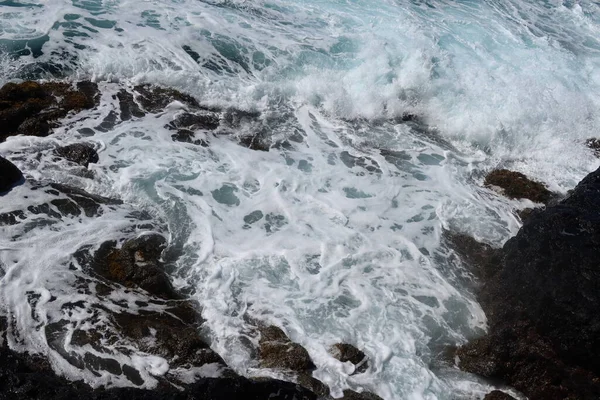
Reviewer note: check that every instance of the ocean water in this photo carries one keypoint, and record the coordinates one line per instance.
(338, 237)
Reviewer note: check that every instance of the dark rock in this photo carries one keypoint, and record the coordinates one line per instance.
(594, 144)
(128, 106)
(34, 127)
(542, 303)
(27, 377)
(525, 213)
(136, 265)
(481, 257)
(10, 175)
(166, 335)
(91, 204)
(498, 395)
(187, 136)
(346, 352)
(352, 395)
(205, 120)
(364, 162)
(257, 141)
(517, 186)
(278, 351)
(64, 201)
(306, 380)
(154, 99)
(79, 153)
(30, 108)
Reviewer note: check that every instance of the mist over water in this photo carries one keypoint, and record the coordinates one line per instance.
(336, 237)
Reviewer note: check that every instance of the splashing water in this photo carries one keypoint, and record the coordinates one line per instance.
(336, 234)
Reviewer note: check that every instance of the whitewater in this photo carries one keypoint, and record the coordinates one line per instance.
(389, 115)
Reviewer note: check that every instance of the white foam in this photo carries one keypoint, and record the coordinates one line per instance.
(340, 254)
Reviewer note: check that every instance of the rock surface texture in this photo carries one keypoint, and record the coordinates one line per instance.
(542, 303)
(515, 185)
(32, 108)
(10, 175)
(28, 378)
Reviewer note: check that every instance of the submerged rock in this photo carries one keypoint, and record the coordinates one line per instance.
(136, 265)
(10, 175)
(31, 108)
(258, 141)
(154, 98)
(170, 336)
(346, 352)
(27, 377)
(594, 144)
(498, 395)
(64, 202)
(278, 351)
(515, 185)
(79, 153)
(542, 303)
(482, 258)
(352, 395)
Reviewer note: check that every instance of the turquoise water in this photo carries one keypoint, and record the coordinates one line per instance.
(337, 238)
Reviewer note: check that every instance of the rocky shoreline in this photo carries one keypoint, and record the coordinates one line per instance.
(163, 322)
(541, 294)
(541, 291)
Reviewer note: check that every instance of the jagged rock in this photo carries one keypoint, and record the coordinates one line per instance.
(278, 351)
(594, 144)
(154, 99)
(483, 258)
(26, 377)
(257, 141)
(128, 106)
(204, 120)
(10, 175)
(542, 304)
(365, 162)
(171, 337)
(498, 395)
(352, 395)
(136, 264)
(187, 136)
(79, 153)
(346, 352)
(64, 201)
(515, 185)
(30, 108)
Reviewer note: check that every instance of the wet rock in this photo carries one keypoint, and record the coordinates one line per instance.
(346, 352)
(154, 99)
(79, 153)
(30, 108)
(10, 175)
(525, 213)
(542, 303)
(187, 136)
(91, 204)
(204, 120)
(352, 395)
(63, 201)
(258, 141)
(515, 185)
(169, 336)
(364, 162)
(27, 377)
(136, 265)
(594, 144)
(278, 351)
(498, 395)
(481, 257)
(128, 106)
